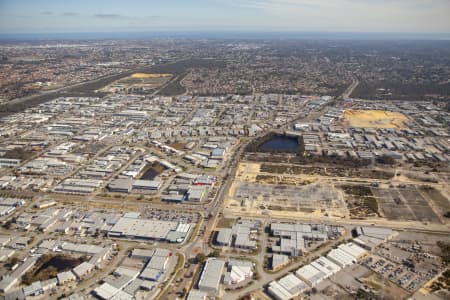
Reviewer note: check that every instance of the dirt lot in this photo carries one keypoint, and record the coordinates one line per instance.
(312, 199)
(404, 204)
(439, 200)
(327, 171)
(148, 75)
(374, 119)
(360, 201)
(387, 289)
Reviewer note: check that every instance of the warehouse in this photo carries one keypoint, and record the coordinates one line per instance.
(279, 292)
(196, 193)
(155, 267)
(371, 237)
(278, 261)
(120, 185)
(218, 153)
(78, 186)
(241, 235)
(287, 287)
(224, 237)
(135, 228)
(81, 248)
(353, 250)
(143, 254)
(106, 291)
(196, 295)
(83, 269)
(9, 162)
(326, 266)
(176, 198)
(341, 258)
(311, 275)
(147, 185)
(211, 275)
(293, 284)
(238, 271)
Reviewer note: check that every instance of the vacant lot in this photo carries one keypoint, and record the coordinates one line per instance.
(439, 200)
(316, 199)
(404, 204)
(375, 119)
(360, 201)
(327, 171)
(149, 75)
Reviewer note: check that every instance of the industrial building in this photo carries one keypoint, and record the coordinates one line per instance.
(326, 266)
(241, 235)
(149, 229)
(293, 237)
(341, 258)
(371, 237)
(211, 276)
(354, 250)
(278, 261)
(196, 295)
(224, 236)
(238, 271)
(155, 267)
(311, 275)
(287, 287)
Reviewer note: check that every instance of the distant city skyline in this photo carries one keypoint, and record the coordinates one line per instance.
(51, 16)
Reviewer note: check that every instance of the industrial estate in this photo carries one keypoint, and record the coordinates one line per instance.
(169, 180)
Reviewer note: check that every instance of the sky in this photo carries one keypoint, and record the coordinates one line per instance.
(61, 16)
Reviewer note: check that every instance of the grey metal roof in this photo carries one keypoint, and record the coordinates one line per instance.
(211, 275)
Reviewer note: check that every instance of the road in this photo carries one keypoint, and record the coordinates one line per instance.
(348, 92)
(266, 278)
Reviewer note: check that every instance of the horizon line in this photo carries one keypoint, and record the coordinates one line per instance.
(226, 34)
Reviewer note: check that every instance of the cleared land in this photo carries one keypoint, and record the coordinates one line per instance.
(374, 119)
(292, 195)
(138, 83)
(149, 75)
(404, 204)
(280, 190)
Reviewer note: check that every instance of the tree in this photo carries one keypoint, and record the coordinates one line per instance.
(215, 253)
(200, 258)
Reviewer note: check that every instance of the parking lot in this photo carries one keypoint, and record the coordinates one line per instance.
(407, 262)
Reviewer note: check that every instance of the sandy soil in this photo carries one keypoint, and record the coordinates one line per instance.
(375, 119)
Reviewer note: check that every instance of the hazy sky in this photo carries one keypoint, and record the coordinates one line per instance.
(30, 16)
